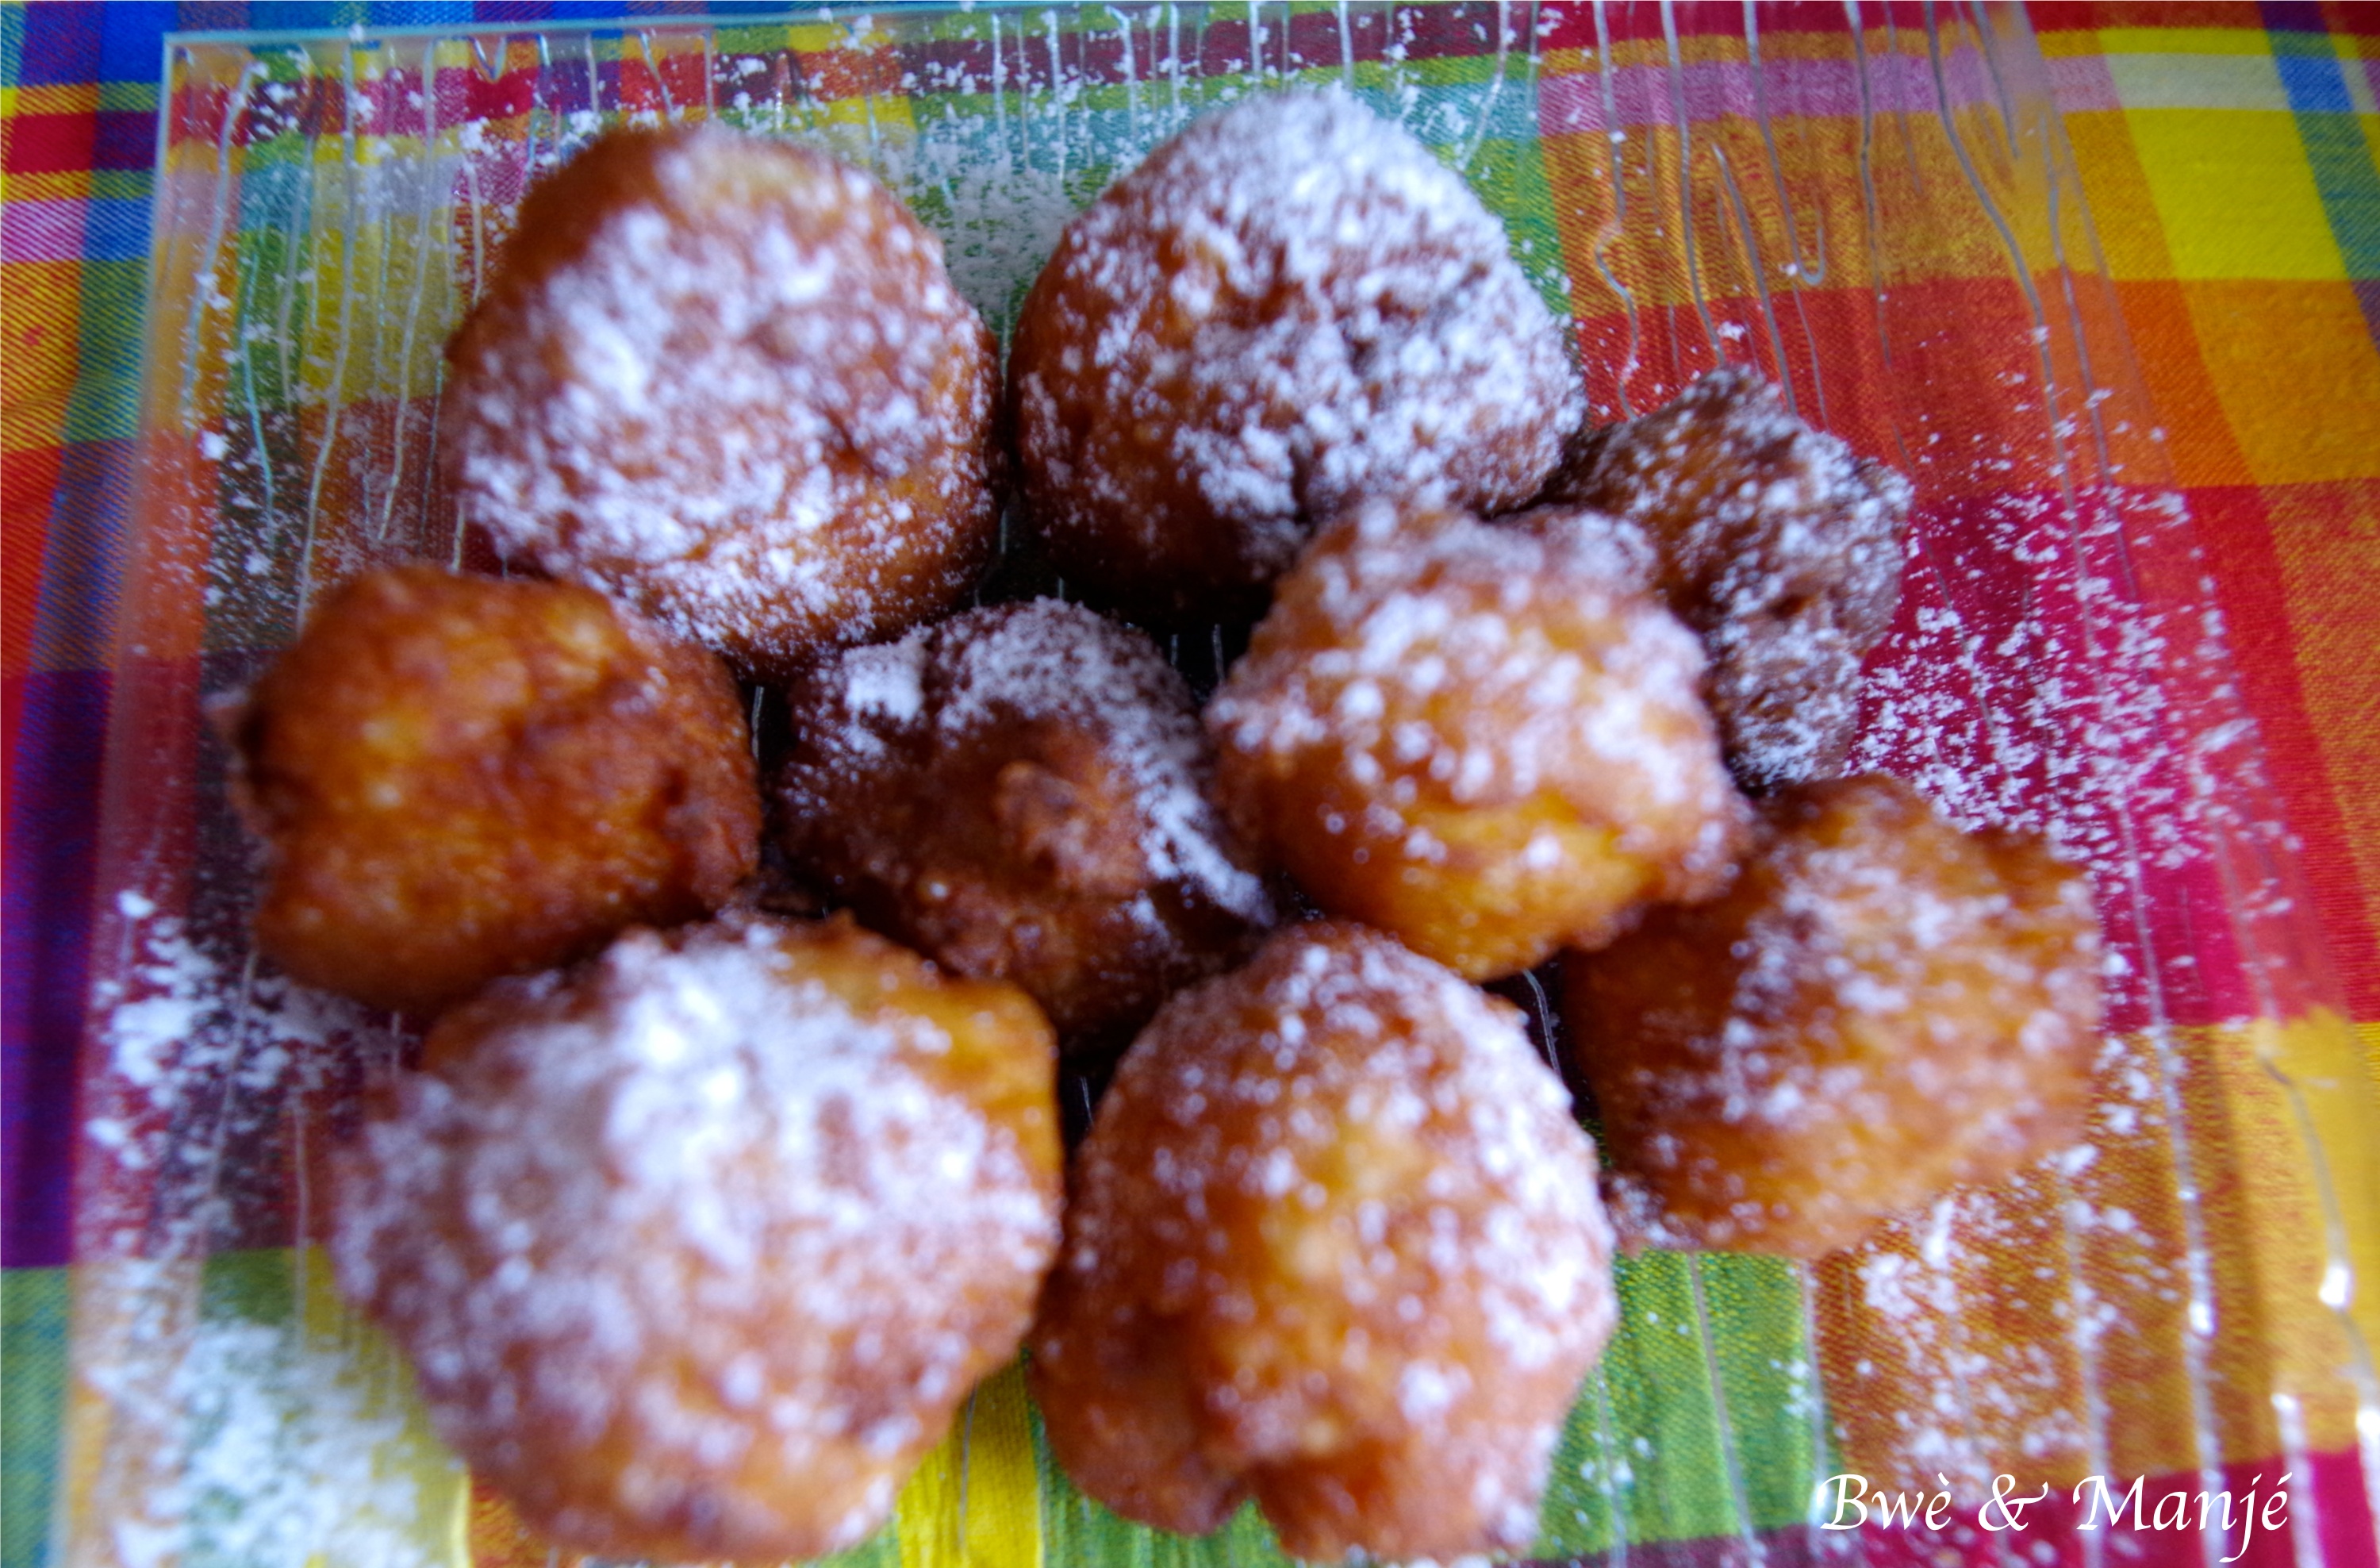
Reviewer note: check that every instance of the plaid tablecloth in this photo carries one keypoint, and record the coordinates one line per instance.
(2231, 156)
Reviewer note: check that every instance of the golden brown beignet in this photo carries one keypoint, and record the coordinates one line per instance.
(1333, 1244)
(1291, 305)
(1879, 1007)
(1474, 738)
(458, 778)
(727, 380)
(1774, 542)
(697, 1251)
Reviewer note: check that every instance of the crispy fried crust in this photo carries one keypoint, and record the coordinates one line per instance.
(1477, 738)
(1290, 306)
(458, 778)
(697, 1251)
(1333, 1244)
(1774, 542)
(1879, 1007)
(727, 380)
(1021, 791)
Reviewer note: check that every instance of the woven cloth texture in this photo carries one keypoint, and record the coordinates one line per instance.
(2230, 155)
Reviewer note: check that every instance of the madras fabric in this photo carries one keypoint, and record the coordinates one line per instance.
(2230, 158)
(2228, 155)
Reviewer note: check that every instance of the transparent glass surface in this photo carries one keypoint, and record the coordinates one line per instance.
(1876, 206)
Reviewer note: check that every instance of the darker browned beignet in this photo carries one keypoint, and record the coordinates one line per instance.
(727, 380)
(696, 1251)
(1778, 546)
(1880, 1006)
(1020, 792)
(458, 778)
(1333, 1243)
(1291, 305)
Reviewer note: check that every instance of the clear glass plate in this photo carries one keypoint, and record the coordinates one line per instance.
(1878, 207)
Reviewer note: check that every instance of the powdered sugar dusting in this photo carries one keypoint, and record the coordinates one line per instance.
(183, 1020)
(695, 1157)
(1055, 658)
(1401, 1046)
(1341, 1140)
(240, 1431)
(1293, 304)
(275, 1446)
(207, 1054)
(1876, 1008)
(749, 402)
(1486, 665)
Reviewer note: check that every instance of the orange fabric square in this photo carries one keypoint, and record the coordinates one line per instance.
(2295, 369)
(2199, 442)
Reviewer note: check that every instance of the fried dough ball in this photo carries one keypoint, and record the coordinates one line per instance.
(1777, 545)
(728, 381)
(1880, 1007)
(458, 778)
(1334, 1244)
(1020, 793)
(1289, 305)
(1470, 738)
(697, 1251)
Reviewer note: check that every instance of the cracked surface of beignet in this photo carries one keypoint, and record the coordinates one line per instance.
(458, 777)
(1775, 542)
